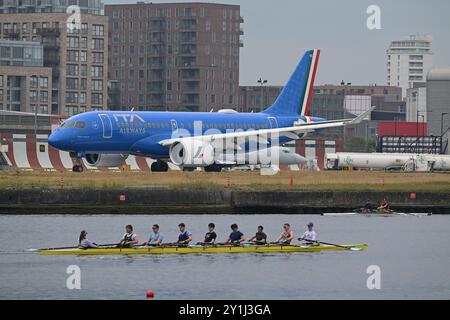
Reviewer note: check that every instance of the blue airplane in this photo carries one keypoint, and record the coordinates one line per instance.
(192, 140)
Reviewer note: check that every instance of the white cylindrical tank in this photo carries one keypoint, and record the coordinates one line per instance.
(375, 161)
(384, 161)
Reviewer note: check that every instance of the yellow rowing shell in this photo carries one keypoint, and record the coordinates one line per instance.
(202, 250)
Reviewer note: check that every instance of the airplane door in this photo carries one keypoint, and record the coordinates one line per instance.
(107, 126)
(174, 125)
(273, 122)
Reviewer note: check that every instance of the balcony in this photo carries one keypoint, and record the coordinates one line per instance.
(188, 24)
(241, 31)
(188, 37)
(48, 31)
(12, 34)
(193, 88)
(241, 43)
(241, 19)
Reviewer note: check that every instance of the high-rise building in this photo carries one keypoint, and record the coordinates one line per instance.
(22, 70)
(46, 6)
(175, 56)
(77, 58)
(438, 103)
(408, 61)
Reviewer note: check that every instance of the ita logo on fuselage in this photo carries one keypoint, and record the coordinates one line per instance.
(130, 123)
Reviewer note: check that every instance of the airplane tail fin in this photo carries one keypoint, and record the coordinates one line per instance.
(295, 97)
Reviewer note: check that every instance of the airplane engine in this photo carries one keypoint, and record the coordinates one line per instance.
(192, 153)
(106, 160)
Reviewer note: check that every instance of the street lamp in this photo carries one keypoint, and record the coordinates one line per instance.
(262, 83)
(417, 119)
(442, 123)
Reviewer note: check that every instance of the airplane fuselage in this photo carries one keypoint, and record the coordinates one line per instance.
(139, 133)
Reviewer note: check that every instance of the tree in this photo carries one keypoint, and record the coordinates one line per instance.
(360, 144)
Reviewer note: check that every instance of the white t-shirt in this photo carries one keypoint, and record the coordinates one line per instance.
(309, 235)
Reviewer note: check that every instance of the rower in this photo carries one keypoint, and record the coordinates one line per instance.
(210, 236)
(367, 207)
(235, 237)
(310, 235)
(286, 236)
(155, 238)
(129, 238)
(260, 238)
(384, 207)
(83, 241)
(185, 235)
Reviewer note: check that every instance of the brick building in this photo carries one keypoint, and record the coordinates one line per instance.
(175, 56)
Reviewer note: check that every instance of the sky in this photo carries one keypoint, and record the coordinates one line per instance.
(278, 32)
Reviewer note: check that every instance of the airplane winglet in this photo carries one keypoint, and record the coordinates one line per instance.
(361, 117)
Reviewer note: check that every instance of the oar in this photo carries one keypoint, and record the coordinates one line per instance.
(331, 244)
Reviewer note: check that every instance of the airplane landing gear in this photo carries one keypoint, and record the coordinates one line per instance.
(213, 168)
(78, 167)
(160, 166)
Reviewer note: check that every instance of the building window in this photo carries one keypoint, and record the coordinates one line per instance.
(98, 30)
(72, 56)
(97, 85)
(1, 81)
(83, 98)
(71, 97)
(98, 57)
(71, 110)
(97, 98)
(33, 82)
(43, 97)
(97, 71)
(83, 71)
(83, 56)
(43, 82)
(97, 44)
(72, 70)
(84, 43)
(72, 83)
(33, 96)
(73, 42)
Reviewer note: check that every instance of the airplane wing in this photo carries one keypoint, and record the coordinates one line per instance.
(290, 132)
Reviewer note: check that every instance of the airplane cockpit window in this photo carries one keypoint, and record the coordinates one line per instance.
(66, 124)
(80, 124)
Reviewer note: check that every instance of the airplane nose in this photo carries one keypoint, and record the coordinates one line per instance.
(55, 140)
(299, 159)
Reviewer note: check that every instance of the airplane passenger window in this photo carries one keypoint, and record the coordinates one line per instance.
(80, 124)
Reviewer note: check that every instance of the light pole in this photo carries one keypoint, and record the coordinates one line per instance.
(262, 83)
(442, 123)
(417, 119)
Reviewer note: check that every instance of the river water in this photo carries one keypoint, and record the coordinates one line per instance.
(413, 255)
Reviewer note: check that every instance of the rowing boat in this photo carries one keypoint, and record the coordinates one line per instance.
(202, 250)
(377, 214)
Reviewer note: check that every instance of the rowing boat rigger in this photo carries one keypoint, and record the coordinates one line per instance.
(204, 250)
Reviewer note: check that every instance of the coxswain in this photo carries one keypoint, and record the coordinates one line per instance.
(83, 241)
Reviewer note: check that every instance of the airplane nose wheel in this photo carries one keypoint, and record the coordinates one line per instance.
(77, 166)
